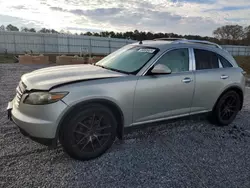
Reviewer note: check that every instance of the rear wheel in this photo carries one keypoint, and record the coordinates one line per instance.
(226, 109)
(89, 132)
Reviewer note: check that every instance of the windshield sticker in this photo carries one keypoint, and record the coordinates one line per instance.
(146, 50)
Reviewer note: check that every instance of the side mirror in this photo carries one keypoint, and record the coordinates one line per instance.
(161, 69)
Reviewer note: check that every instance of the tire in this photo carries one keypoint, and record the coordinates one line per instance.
(88, 132)
(226, 109)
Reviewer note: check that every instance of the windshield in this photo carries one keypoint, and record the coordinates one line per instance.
(129, 59)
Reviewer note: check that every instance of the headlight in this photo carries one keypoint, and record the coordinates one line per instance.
(44, 97)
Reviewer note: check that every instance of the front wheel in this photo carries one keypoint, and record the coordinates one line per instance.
(89, 132)
(226, 109)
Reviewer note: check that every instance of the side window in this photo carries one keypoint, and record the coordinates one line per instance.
(225, 63)
(177, 60)
(205, 59)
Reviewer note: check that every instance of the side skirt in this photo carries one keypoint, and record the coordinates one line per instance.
(144, 125)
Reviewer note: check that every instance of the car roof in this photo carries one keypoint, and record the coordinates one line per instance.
(164, 45)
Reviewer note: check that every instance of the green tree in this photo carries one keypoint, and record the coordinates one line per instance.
(2, 28)
(229, 32)
(150, 36)
(112, 34)
(247, 35)
(44, 30)
(88, 33)
(247, 32)
(54, 31)
(95, 34)
(32, 30)
(24, 29)
(104, 34)
(11, 28)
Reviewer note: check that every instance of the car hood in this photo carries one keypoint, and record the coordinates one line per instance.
(46, 78)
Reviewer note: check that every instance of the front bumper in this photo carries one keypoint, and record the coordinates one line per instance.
(38, 122)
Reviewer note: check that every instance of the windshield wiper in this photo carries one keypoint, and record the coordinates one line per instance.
(108, 68)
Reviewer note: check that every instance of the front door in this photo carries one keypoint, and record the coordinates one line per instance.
(168, 95)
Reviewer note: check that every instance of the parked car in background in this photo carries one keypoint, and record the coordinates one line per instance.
(86, 107)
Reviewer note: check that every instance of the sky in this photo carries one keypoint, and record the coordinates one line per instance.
(196, 17)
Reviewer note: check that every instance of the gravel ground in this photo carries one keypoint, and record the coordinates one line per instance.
(187, 153)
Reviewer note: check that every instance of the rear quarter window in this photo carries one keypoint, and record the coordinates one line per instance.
(225, 63)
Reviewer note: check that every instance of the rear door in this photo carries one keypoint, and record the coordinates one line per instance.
(212, 74)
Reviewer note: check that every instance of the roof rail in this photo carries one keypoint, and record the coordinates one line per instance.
(168, 39)
(198, 42)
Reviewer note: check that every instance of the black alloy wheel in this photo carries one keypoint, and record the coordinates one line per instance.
(92, 132)
(226, 108)
(89, 133)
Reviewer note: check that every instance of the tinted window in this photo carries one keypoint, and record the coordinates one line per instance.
(225, 63)
(205, 59)
(176, 60)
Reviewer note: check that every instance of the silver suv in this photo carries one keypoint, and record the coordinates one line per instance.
(86, 107)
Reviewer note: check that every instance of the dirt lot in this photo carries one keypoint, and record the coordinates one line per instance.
(189, 153)
(244, 63)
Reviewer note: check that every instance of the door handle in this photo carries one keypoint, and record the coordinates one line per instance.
(224, 77)
(186, 80)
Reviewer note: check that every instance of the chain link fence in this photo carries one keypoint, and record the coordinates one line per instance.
(237, 50)
(21, 42)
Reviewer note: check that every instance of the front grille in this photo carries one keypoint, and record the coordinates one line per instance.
(20, 90)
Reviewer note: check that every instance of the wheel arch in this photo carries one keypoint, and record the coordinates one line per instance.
(105, 102)
(237, 89)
